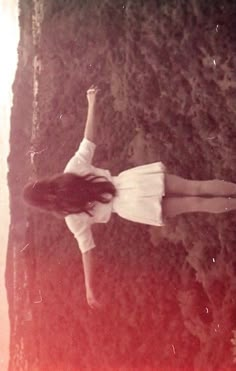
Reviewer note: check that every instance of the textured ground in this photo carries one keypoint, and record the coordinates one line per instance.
(166, 70)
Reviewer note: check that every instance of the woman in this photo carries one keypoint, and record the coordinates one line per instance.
(146, 194)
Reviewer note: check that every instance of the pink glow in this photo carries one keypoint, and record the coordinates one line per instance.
(8, 26)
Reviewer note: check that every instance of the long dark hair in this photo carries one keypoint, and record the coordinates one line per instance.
(68, 193)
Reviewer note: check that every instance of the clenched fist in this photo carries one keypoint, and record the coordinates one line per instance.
(92, 301)
(91, 94)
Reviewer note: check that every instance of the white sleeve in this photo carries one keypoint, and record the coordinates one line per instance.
(80, 226)
(82, 158)
(85, 151)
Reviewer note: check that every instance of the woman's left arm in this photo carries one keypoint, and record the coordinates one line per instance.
(91, 122)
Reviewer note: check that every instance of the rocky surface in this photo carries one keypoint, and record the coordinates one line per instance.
(166, 70)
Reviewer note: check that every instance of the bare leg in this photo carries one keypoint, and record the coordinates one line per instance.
(173, 206)
(176, 185)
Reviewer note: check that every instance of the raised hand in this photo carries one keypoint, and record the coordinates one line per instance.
(91, 94)
(92, 301)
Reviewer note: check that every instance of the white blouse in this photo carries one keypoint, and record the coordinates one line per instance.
(80, 224)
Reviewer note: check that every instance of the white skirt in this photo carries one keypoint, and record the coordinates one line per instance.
(139, 193)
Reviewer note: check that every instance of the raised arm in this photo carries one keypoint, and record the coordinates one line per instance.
(79, 225)
(90, 127)
(89, 263)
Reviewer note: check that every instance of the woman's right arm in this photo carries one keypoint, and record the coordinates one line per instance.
(89, 263)
(91, 122)
(81, 229)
